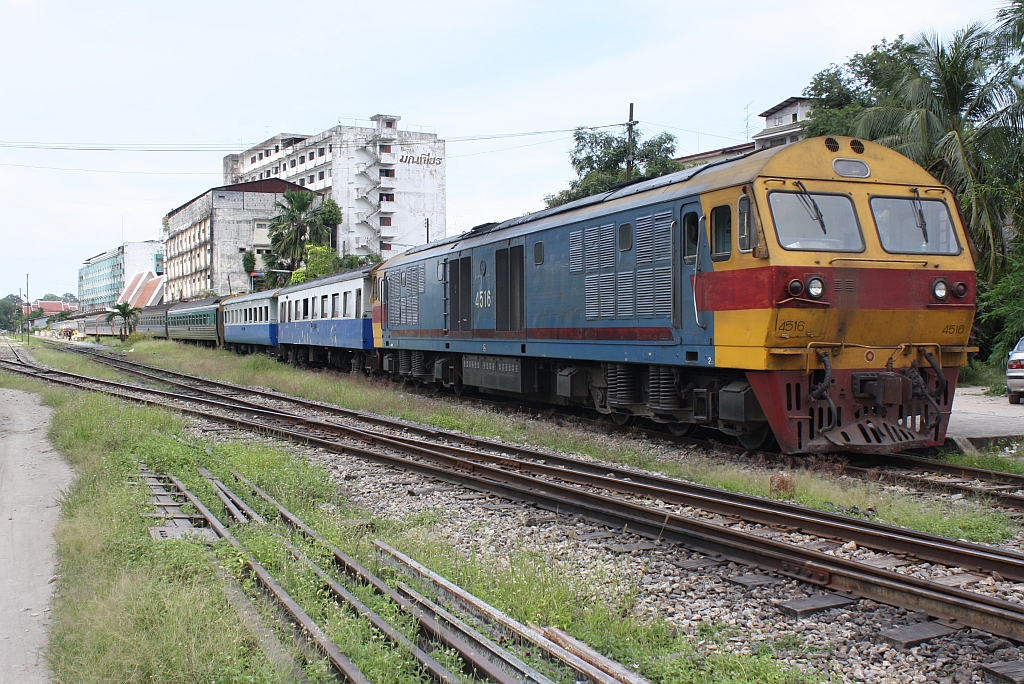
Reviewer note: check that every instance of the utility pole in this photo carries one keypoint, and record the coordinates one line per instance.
(28, 337)
(629, 144)
(21, 314)
(426, 224)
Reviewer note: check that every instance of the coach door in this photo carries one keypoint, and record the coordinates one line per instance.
(695, 260)
(459, 293)
(509, 289)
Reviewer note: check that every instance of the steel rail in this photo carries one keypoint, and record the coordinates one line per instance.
(1014, 501)
(879, 536)
(339, 660)
(840, 574)
(472, 652)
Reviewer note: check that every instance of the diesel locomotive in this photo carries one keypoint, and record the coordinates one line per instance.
(820, 294)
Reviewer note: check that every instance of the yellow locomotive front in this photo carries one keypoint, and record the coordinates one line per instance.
(852, 310)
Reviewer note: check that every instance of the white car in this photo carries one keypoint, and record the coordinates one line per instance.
(1015, 372)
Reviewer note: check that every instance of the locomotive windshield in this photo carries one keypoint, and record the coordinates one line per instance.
(830, 225)
(914, 226)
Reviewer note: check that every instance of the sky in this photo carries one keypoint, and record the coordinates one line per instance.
(216, 77)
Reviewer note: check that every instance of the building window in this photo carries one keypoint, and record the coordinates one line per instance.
(277, 170)
(384, 149)
(302, 159)
(311, 178)
(302, 182)
(387, 197)
(387, 173)
(330, 148)
(320, 176)
(261, 175)
(260, 156)
(775, 142)
(267, 153)
(321, 152)
(385, 220)
(793, 138)
(389, 124)
(292, 163)
(276, 148)
(253, 160)
(794, 118)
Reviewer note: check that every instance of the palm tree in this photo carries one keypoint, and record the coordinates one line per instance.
(946, 115)
(301, 222)
(129, 316)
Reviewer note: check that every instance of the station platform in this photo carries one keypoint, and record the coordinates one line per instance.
(983, 419)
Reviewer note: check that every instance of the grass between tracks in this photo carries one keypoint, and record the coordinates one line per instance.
(128, 609)
(822, 490)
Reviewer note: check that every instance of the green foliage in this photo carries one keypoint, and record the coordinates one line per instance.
(299, 275)
(50, 297)
(299, 223)
(322, 261)
(249, 261)
(1001, 308)
(127, 314)
(599, 160)
(10, 314)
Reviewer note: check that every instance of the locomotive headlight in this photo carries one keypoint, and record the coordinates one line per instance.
(816, 287)
(795, 287)
(941, 289)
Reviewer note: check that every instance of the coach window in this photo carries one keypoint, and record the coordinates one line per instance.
(334, 305)
(359, 302)
(346, 305)
(747, 235)
(721, 233)
(691, 224)
(266, 312)
(625, 237)
(323, 306)
(305, 308)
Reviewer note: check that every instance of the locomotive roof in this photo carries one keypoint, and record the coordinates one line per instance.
(351, 274)
(808, 159)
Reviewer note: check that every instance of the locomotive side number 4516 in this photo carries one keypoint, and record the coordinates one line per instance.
(791, 326)
(483, 299)
(953, 329)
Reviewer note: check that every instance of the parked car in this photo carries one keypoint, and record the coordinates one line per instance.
(1015, 372)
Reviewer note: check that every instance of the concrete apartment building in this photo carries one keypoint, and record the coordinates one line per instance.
(207, 236)
(389, 183)
(102, 277)
(782, 123)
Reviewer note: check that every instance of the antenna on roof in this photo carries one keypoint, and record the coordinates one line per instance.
(746, 120)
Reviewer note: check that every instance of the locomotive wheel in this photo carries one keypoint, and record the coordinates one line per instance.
(459, 388)
(755, 439)
(621, 419)
(681, 429)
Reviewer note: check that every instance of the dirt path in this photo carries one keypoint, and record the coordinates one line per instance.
(32, 474)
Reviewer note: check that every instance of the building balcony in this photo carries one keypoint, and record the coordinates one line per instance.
(387, 207)
(386, 134)
(388, 182)
(388, 158)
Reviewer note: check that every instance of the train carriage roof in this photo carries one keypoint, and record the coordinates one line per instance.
(157, 308)
(197, 305)
(807, 159)
(255, 296)
(351, 274)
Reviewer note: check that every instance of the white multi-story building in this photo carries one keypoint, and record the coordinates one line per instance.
(782, 123)
(102, 277)
(207, 238)
(389, 183)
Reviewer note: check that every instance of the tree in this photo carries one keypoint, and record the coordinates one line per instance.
(839, 94)
(249, 261)
(944, 114)
(129, 316)
(301, 222)
(599, 160)
(50, 297)
(70, 297)
(9, 313)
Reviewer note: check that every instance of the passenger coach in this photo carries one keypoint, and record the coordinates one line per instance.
(199, 321)
(821, 294)
(250, 322)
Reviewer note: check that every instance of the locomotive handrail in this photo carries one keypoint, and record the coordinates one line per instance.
(696, 270)
(923, 262)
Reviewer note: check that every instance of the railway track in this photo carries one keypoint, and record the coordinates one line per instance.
(644, 503)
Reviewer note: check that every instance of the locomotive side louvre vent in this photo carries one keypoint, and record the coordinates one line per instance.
(645, 292)
(841, 285)
(607, 295)
(857, 146)
(645, 240)
(663, 291)
(576, 251)
(593, 296)
(624, 290)
(591, 249)
(832, 144)
(663, 235)
(607, 258)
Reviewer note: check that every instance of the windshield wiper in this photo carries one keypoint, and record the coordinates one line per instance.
(811, 206)
(919, 213)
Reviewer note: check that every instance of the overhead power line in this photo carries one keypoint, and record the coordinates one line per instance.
(143, 173)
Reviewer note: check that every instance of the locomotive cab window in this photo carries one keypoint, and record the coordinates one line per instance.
(914, 226)
(746, 237)
(721, 233)
(691, 224)
(815, 222)
(625, 237)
